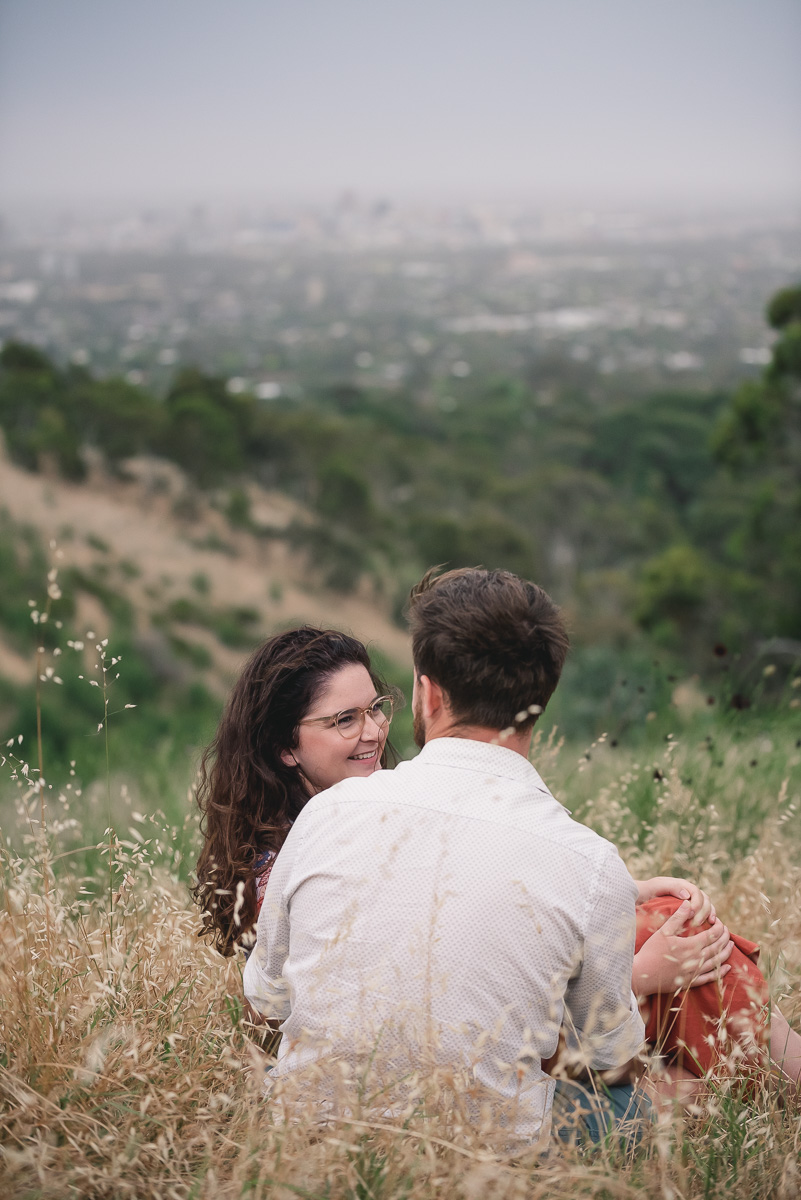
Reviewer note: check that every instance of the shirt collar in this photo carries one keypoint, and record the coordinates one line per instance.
(470, 755)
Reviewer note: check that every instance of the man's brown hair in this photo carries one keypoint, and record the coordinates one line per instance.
(494, 643)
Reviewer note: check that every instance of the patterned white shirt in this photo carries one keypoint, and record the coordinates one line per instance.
(452, 898)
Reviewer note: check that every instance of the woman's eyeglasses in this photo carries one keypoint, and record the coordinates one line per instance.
(350, 722)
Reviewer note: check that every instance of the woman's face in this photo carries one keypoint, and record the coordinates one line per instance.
(323, 755)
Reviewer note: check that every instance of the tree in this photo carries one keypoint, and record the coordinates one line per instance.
(34, 411)
(201, 437)
(673, 591)
(759, 439)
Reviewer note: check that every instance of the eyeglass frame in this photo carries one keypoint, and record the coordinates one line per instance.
(363, 713)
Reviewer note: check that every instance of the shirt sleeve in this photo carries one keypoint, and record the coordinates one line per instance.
(603, 1025)
(263, 981)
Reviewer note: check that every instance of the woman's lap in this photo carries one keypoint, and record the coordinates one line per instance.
(685, 1026)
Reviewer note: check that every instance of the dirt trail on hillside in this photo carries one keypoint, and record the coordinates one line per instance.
(153, 556)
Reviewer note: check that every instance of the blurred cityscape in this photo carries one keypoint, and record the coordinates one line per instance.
(434, 299)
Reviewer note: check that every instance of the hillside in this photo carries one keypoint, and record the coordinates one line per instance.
(131, 534)
(146, 560)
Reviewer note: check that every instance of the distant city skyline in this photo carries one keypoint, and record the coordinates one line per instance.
(688, 102)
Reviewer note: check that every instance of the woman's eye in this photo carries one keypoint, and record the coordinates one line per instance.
(345, 719)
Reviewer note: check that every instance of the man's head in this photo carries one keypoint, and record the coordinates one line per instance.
(493, 644)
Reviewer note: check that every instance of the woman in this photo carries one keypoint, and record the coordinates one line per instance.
(309, 711)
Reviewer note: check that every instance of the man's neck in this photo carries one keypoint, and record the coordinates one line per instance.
(510, 739)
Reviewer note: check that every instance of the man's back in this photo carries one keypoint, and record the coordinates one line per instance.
(448, 907)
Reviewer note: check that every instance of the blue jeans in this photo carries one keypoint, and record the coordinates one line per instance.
(590, 1113)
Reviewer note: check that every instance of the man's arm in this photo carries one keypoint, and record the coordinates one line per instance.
(602, 1020)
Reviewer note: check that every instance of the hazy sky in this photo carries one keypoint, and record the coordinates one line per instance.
(578, 99)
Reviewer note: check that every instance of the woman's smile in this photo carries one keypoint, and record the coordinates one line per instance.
(324, 753)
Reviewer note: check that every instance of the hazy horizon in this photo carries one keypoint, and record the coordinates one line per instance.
(667, 104)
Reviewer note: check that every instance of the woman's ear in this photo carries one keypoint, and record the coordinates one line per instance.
(288, 758)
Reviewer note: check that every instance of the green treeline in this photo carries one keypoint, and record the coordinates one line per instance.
(677, 515)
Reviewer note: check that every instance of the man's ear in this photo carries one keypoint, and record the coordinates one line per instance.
(432, 697)
(288, 758)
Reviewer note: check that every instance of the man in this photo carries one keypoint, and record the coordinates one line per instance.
(450, 912)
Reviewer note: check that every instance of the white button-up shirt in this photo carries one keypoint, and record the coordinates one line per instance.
(454, 901)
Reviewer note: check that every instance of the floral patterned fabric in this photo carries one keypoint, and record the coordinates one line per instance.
(264, 866)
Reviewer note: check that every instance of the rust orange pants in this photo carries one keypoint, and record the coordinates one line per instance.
(687, 1026)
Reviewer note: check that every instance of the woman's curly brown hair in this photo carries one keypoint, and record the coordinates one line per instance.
(248, 797)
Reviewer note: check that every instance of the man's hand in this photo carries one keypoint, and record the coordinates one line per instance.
(665, 885)
(669, 961)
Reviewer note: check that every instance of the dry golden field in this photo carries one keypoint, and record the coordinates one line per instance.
(127, 1069)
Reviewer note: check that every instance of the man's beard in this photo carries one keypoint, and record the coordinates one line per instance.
(418, 725)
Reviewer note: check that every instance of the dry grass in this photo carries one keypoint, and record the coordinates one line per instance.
(127, 1069)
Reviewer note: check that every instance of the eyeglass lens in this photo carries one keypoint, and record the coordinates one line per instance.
(350, 723)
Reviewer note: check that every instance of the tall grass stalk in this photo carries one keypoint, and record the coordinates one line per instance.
(41, 617)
